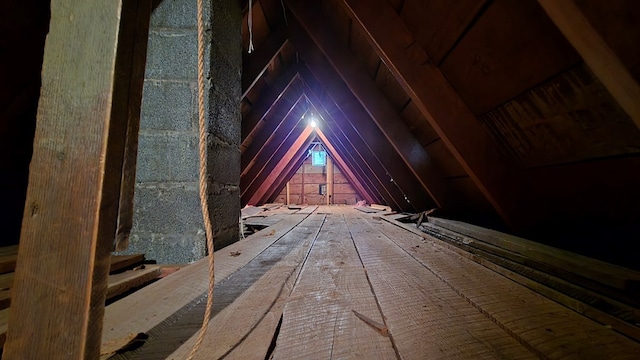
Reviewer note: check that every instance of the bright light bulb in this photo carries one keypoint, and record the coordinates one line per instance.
(313, 123)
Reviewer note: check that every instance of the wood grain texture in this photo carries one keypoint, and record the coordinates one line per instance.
(74, 185)
(604, 63)
(318, 320)
(546, 328)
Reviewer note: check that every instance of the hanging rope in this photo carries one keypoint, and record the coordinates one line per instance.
(250, 20)
(203, 182)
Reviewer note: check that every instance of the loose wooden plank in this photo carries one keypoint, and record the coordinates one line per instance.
(8, 257)
(604, 63)
(130, 279)
(74, 185)
(429, 320)
(547, 328)
(307, 209)
(263, 301)
(319, 320)
(119, 262)
(564, 261)
(148, 307)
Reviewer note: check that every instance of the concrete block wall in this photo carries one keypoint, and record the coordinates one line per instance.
(168, 225)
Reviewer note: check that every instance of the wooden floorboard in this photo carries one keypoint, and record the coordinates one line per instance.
(319, 320)
(547, 328)
(334, 282)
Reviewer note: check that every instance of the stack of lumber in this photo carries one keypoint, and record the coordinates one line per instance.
(127, 272)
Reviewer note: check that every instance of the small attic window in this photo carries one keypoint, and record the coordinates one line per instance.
(318, 158)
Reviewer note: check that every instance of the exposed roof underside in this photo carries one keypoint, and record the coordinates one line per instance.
(491, 110)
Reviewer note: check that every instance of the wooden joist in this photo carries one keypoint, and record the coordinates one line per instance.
(597, 54)
(256, 63)
(441, 105)
(368, 101)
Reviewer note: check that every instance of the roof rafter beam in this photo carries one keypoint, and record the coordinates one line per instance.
(358, 125)
(272, 124)
(255, 64)
(436, 99)
(595, 52)
(263, 107)
(290, 124)
(276, 165)
(358, 84)
(363, 160)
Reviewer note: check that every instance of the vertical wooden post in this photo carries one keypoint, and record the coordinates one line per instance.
(329, 180)
(288, 194)
(302, 191)
(74, 183)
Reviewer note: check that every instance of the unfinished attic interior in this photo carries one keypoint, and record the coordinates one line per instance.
(408, 179)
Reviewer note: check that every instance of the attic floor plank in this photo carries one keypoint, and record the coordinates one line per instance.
(426, 318)
(545, 327)
(319, 320)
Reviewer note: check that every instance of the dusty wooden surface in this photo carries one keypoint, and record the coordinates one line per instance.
(356, 286)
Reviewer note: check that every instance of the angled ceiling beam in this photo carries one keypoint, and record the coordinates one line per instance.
(276, 165)
(360, 156)
(278, 118)
(266, 103)
(344, 168)
(358, 127)
(327, 131)
(291, 123)
(358, 84)
(255, 64)
(442, 107)
(595, 52)
(286, 174)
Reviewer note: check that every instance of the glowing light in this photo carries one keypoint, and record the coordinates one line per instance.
(312, 123)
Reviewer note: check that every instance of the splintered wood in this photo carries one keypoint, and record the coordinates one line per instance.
(335, 282)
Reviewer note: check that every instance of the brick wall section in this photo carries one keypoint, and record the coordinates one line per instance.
(168, 224)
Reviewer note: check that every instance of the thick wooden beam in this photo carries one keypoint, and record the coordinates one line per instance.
(74, 185)
(254, 64)
(357, 120)
(373, 102)
(289, 122)
(130, 67)
(271, 125)
(262, 108)
(596, 54)
(291, 147)
(442, 107)
(285, 176)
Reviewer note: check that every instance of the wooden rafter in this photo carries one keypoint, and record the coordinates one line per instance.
(290, 99)
(358, 84)
(357, 121)
(290, 124)
(442, 107)
(360, 157)
(276, 165)
(596, 54)
(263, 107)
(255, 64)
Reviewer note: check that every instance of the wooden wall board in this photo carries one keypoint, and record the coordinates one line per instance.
(318, 320)
(512, 47)
(337, 19)
(8, 256)
(568, 118)
(437, 25)
(427, 322)
(258, 308)
(547, 328)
